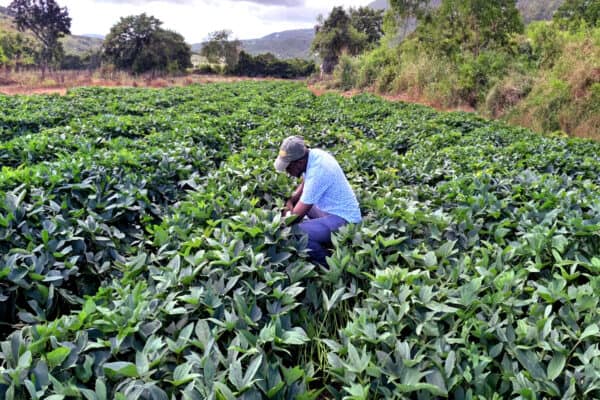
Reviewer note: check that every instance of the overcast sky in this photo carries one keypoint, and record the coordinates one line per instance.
(194, 19)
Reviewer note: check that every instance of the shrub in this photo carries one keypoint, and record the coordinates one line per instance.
(478, 73)
(372, 64)
(546, 43)
(344, 73)
(507, 93)
(209, 69)
(269, 65)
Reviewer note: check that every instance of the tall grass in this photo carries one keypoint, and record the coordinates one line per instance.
(566, 96)
(546, 79)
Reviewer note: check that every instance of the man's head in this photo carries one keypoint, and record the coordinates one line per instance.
(293, 155)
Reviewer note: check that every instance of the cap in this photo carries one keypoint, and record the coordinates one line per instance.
(291, 149)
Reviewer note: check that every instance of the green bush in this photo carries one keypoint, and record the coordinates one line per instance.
(507, 93)
(547, 43)
(208, 69)
(269, 65)
(371, 65)
(345, 72)
(478, 73)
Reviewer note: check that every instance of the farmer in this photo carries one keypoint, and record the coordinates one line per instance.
(324, 195)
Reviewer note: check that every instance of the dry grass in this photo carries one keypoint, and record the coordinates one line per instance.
(408, 96)
(29, 82)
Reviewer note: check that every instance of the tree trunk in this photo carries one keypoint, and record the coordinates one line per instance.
(328, 65)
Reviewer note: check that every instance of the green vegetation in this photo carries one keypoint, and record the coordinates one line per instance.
(138, 44)
(144, 253)
(477, 53)
(224, 56)
(220, 49)
(346, 32)
(269, 65)
(47, 21)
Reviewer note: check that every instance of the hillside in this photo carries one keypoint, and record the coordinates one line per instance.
(80, 45)
(287, 44)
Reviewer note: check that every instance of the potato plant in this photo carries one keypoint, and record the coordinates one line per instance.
(143, 252)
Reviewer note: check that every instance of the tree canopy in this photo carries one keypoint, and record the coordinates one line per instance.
(138, 44)
(351, 32)
(573, 12)
(219, 48)
(47, 21)
(472, 26)
(19, 50)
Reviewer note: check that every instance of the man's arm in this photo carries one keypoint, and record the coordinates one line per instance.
(291, 203)
(301, 209)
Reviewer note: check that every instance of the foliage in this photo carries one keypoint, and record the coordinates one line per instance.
(545, 44)
(144, 251)
(138, 44)
(477, 74)
(419, 9)
(345, 72)
(337, 34)
(575, 12)
(562, 97)
(269, 65)
(219, 49)
(47, 21)
(473, 26)
(18, 49)
(368, 21)
(507, 93)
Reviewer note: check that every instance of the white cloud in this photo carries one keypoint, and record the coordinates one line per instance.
(195, 19)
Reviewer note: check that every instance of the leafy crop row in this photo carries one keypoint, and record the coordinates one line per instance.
(144, 256)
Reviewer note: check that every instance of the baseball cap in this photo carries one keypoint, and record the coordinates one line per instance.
(291, 149)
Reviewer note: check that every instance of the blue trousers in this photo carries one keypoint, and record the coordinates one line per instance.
(319, 226)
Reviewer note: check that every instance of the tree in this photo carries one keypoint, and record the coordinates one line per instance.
(460, 26)
(573, 12)
(166, 51)
(219, 49)
(138, 44)
(47, 21)
(336, 35)
(418, 9)
(368, 21)
(19, 50)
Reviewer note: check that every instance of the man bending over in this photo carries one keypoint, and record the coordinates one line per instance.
(324, 195)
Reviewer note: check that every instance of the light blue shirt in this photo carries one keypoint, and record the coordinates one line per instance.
(326, 187)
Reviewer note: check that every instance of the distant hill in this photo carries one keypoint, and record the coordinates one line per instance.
(80, 45)
(379, 4)
(287, 44)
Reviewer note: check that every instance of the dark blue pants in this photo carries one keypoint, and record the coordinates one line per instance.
(319, 226)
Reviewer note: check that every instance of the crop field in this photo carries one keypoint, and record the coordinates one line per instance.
(143, 254)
